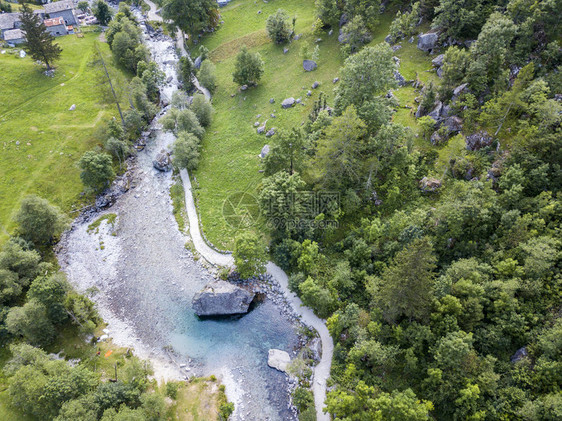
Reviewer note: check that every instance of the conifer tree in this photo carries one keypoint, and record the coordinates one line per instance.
(39, 45)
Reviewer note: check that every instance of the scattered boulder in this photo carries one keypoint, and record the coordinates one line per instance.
(270, 132)
(297, 37)
(264, 151)
(72, 107)
(438, 61)
(257, 124)
(399, 78)
(22, 54)
(278, 359)
(440, 72)
(396, 47)
(436, 138)
(411, 40)
(221, 298)
(162, 161)
(285, 50)
(343, 38)
(243, 87)
(315, 85)
(335, 80)
(478, 140)
(298, 101)
(309, 93)
(519, 355)
(261, 129)
(197, 62)
(388, 39)
(459, 90)
(309, 65)
(272, 101)
(330, 32)
(429, 184)
(427, 42)
(288, 103)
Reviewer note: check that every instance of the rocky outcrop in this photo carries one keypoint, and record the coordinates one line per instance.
(221, 298)
(278, 359)
(309, 65)
(436, 112)
(162, 161)
(478, 140)
(427, 42)
(519, 355)
(430, 184)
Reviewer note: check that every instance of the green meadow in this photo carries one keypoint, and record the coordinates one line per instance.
(40, 139)
(230, 161)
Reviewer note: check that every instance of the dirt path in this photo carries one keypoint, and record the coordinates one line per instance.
(322, 370)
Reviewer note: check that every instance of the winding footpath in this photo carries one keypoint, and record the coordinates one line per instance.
(322, 369)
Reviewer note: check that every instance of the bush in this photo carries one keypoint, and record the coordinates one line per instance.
(172, 389)
(248, 69)
(185, 73)
(278, 27)
(249, 255)
(39, 221)
(97, 171)
(207, 75)
(32, 322)
(302, 398)
(202, 109)
(186, 151)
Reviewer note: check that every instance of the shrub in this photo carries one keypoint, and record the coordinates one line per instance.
(248, 69)
(39, 221)
(278, 27)
(97, 171)
(207, 75)
(202, 109)
(186, 151)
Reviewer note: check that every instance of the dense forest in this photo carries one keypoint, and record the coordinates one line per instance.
(439, 277)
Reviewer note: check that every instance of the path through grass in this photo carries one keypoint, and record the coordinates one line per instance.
(40, 139)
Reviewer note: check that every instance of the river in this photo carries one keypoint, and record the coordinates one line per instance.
(146, 279)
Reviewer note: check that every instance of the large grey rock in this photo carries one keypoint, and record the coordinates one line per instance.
(264, 151)
(261, 129)
(309, 65)
(453, 124)
(438, 61)
(436, 112)
(162, 161)
(270, 132)
(278, 359)
(427, 42)
(459, 90)
(288, 103)
(221, 298)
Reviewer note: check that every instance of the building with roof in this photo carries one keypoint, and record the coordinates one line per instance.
(61, 9)
(14, 36)
(56, 26)
(9, 21)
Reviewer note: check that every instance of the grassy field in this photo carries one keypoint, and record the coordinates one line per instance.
(231, 146)
(40, 139)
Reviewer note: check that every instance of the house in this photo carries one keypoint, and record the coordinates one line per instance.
(56, 26)
(9, 21)
(14, 36)
(62, 9)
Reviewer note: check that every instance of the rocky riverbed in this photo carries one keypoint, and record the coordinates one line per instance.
(145, 279)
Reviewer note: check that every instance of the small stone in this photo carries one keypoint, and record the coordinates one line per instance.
(243, 87)
(256, 124)
(285, 50)
(336, 80)
(259, 12)
(298, 101)
(270, 132)
(315, 85)
(264, 151)
(272, 101)
(309, 93)
(72, 107)
(288, 103)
